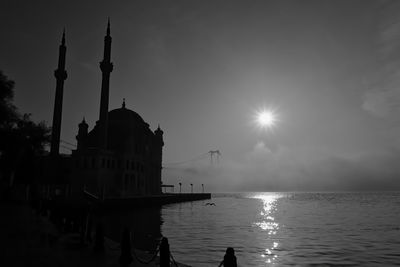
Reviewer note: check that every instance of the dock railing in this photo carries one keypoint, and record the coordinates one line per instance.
(128, 253)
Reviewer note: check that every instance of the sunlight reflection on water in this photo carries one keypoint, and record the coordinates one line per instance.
(267, 222)
(244, 221)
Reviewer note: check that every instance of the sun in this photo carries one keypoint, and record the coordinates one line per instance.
(266, 118)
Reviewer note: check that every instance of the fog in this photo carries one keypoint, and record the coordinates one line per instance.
(201, 68)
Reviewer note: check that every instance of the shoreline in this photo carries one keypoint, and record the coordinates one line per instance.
(30, 239)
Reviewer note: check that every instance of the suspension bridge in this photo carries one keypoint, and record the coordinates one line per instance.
(213, 155)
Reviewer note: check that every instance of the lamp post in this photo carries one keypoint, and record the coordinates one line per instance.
(180, 187)
(191, 188)
(202, 188)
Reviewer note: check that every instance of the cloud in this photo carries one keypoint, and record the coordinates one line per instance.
(383, 103)
(383, 97)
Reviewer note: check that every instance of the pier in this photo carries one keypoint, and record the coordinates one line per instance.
(157, 200)
(145, 201)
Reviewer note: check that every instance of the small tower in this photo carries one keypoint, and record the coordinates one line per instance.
(106, 68)
(159, 134)
(82, 134)
(159, 143)
(61, 76)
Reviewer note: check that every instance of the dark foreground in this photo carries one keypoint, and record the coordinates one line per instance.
(29, 239)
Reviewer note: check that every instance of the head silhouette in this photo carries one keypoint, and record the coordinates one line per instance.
(230, 251)
(230, 258)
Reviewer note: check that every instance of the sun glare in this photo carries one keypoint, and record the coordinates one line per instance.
(266, 118)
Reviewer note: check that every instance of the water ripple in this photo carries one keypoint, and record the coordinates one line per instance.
(307, 229)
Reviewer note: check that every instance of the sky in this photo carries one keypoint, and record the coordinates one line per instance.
(201, 69)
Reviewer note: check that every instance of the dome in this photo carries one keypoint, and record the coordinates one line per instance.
(126, 131)
(125, 115)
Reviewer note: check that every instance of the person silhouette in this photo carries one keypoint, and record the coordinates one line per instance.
(126, 258)
(229, 258)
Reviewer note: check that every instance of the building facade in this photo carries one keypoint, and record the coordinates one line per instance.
(131, 164)
(121, 156)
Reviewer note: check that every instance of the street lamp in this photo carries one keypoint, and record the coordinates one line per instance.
(180, 187)
(191, 188)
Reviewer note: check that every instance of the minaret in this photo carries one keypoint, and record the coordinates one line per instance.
(82, 134)
(60, 75)
(106, 68)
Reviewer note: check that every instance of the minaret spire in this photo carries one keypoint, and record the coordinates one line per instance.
(63, 37)
(108, 27)
(106, 68)
(61, 76)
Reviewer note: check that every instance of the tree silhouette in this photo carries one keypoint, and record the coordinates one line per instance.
(8, 112)
(21, 139)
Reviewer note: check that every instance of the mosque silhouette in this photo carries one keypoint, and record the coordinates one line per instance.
(120, 157)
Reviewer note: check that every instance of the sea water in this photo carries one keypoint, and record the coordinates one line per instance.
(282, 229)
